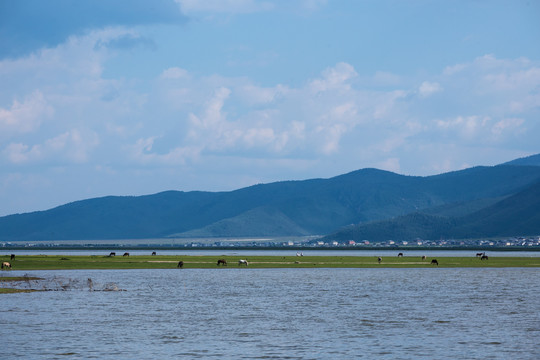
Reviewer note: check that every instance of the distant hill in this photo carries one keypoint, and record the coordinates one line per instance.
(518, 214)
(533, 160)
(287, 208)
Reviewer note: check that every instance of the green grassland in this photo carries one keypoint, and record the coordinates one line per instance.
(59, 262)
(7, 280)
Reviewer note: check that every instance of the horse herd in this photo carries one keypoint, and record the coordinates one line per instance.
(222, 262)
(433, 261)
(7, 265)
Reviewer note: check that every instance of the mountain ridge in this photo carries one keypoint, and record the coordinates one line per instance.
(285, 208)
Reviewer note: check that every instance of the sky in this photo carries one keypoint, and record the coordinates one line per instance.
(134, 97)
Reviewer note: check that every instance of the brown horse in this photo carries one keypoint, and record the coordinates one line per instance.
(180, 264)
(434, 262)
(6, 265)
(126, 254)
(423, 257)
(221, 262)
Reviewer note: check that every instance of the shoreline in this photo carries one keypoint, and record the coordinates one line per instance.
(82, 262)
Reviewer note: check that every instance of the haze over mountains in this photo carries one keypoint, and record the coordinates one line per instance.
(370, 204)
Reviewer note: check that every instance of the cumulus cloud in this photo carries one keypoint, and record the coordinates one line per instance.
(142, 153)
(428, 88)
(467, 127)
(334, 78)
(72, 146)
(26, 116)
(179, 119)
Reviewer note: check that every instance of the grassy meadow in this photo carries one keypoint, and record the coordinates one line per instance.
(60, 262)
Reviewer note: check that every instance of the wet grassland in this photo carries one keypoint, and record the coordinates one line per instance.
(26, 283)
(72, 262)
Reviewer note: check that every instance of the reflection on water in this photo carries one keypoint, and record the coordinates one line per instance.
(279, 313)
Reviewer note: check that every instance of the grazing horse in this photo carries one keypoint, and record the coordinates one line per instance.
(6, 265)
(221, 262)
(112, 254)
(484, 257)
(434, 262)
(423, 257)
(12, 256)
(379, 259)
(400, 255)
(153, 253)
(243, 262)
(126, 254)
(180, 264)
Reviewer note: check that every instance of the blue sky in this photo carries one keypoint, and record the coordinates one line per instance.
(132, 97)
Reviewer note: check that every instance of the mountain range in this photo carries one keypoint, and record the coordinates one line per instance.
(483, 201)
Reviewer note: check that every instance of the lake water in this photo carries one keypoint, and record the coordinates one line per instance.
(435, 313)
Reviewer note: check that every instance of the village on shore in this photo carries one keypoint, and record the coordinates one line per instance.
(514, 243)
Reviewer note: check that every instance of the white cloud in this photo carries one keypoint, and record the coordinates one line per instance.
(507, 125)
(334, 78)
(467, 127)
(142, 153)
(26, 116)
(429, 88)
(72, 146)
(183, 120)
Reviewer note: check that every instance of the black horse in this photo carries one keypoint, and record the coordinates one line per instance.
(112, 254)
(379, 259)
(180, 264)
(484, 257)
(153, 253)
(221, 262)
(434, 262)
(126, 254)
(12, 256)
(400, 255)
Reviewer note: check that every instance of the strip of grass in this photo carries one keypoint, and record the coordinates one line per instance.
(60, 262)
(16, 279)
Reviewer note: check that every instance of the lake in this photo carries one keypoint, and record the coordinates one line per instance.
(277, 314)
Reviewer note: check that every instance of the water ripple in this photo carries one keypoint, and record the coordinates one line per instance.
(279, 314)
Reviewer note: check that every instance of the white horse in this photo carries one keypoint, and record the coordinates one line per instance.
(243, 262)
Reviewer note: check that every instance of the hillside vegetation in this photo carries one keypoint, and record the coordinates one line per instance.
(381, 204)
